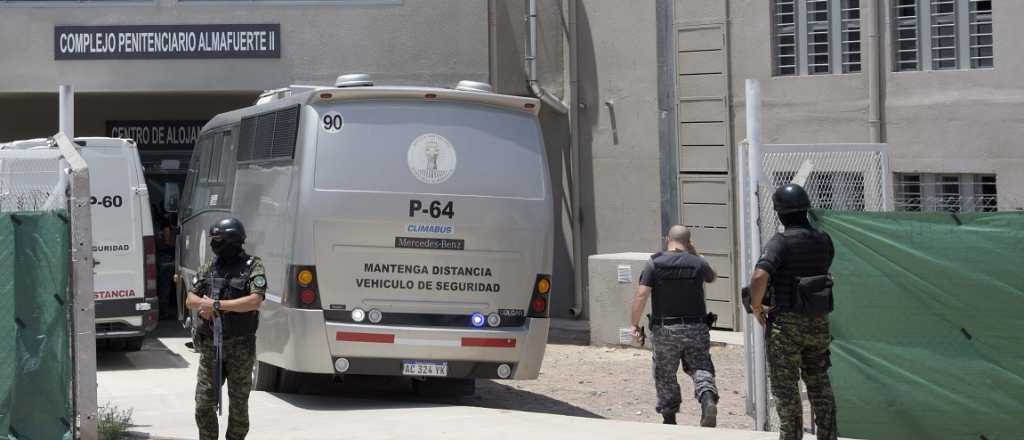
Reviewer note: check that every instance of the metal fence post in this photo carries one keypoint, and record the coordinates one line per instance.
(84, 314)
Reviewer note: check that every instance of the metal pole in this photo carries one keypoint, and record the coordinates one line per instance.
(67, 111)
(84, 314)
(574, 165)
(873, 58)
(753, 115)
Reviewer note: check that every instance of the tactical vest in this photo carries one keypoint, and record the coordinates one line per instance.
(236, 285)
(807, 254)
(678, 286)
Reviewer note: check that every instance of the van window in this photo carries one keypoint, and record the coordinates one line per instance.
(495, 152)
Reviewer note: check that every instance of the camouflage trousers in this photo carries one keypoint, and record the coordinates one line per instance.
(798, 347)
(690, 345)
(238, 354)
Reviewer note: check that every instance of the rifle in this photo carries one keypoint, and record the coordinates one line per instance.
(216, 286)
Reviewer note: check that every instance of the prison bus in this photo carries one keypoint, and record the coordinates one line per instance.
(406, 231)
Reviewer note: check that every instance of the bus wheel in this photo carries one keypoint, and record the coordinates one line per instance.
(264, 377)
(444, 387)
(133, 344)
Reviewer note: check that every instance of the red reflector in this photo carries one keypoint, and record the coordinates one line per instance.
(307, 296)
(149, 264)
(365, 337)
(430, 96)
(539, 305)
(326, 96)
(489, 342)
(529, 105)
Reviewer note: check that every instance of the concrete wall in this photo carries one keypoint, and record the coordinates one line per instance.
(508, 75)
(424, 42)
(618, 127)
(964, 121)
(968, 121)
(797, 109)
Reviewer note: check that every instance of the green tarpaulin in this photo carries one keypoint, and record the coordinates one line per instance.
(929, 324)
(35, 353)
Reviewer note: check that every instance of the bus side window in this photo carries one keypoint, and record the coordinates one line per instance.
(185, 203)
(222, 170)
(201, 189)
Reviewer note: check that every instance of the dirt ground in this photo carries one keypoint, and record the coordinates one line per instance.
(614, 383)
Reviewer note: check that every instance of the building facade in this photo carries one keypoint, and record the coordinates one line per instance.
(651, 90)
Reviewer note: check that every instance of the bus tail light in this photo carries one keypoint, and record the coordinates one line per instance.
(303, 291)
(149, 264)
(539, 302)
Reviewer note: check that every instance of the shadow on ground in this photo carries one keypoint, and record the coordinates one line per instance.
(111, 354)
(321, 393)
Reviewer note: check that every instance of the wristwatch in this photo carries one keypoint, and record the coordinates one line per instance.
(216, 305)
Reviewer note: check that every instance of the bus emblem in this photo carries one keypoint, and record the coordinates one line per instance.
(431, 158)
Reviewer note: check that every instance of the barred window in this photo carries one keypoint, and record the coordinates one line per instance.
(816, 37)
(942, 35)
(946, 192)
(981, 34)
(906, 35)
(851, 36)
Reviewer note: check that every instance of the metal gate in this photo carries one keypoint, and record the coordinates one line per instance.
(843, 177)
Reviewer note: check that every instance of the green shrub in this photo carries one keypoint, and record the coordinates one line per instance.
(112, 423)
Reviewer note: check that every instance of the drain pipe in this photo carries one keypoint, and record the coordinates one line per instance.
(569, 105)
(874, 61)
(531, 63)
(574, 162)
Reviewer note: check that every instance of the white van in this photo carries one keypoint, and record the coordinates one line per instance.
(405, 231)
(122, 238)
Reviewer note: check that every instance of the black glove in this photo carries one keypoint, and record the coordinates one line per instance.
(710, 319)
(745, 297)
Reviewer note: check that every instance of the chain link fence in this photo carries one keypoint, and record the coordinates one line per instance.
(47, 351)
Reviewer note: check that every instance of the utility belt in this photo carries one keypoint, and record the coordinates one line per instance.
(810, 295)
(235, 325)
(663, 321)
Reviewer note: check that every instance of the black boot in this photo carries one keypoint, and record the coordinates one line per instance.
(708, 409)
(668, 418)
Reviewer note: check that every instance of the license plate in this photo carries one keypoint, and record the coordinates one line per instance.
(419, 368)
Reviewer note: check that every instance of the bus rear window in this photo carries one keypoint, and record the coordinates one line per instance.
(429, 147)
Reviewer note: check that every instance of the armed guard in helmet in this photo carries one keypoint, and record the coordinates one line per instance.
(680, 324)
(791, 293)
(227, 294)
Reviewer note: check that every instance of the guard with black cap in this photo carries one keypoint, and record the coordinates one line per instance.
(680, 324)
(227, 294)
(791, 294)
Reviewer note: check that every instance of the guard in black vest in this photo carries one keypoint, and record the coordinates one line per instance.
(227, 294)
(793, 274)
(680, 324)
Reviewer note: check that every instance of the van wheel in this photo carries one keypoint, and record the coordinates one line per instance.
(264, 377)
(133, 344)
(444, 387)
(289, 381)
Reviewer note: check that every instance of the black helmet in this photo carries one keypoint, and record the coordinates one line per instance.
(791, 198)
(228, 229)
